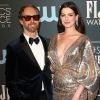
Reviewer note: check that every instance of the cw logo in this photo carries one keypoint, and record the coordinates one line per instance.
(45, 14)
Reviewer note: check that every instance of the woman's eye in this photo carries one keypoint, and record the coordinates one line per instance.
(62, 15)
(70, 15)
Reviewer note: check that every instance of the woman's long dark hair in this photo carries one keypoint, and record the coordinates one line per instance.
(80, 26)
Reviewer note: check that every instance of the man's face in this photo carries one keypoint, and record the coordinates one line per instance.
(30, 25)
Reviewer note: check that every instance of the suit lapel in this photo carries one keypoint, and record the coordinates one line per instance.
(27, 50)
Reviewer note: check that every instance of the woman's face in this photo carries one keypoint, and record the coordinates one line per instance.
(68, 17)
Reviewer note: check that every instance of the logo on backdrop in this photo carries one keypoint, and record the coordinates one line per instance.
(45, 12)
(92, 13)
(97, 51)
(5, 16)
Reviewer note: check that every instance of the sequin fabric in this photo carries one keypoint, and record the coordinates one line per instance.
(78, 67)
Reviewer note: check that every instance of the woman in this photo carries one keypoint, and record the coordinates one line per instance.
(72, 60)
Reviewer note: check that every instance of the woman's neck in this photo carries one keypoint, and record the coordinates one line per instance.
(71, 31)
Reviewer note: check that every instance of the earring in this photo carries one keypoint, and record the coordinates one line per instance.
(76, 22)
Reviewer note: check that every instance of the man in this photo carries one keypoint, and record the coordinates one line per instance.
(28, 76)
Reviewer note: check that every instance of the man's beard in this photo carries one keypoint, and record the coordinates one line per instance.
(33, 27)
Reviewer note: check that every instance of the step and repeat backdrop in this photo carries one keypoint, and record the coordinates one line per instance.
(10, 28)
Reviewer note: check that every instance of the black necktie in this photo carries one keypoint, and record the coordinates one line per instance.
(36, 40)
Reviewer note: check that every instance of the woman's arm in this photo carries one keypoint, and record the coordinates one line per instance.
(78, 92)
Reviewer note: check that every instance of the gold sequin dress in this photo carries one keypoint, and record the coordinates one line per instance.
(78, 67)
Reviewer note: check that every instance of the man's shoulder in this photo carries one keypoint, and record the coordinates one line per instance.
(45, 39)
(14, 42)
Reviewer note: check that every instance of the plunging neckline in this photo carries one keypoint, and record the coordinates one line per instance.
(66, 50)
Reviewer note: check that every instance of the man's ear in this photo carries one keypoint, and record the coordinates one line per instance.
(20, 21)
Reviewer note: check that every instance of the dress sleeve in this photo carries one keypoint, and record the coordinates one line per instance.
(51, 53)
(88, 69)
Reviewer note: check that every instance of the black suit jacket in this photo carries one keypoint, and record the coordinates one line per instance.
(23, 74)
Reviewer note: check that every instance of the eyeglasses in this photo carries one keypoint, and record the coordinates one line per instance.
(28, 17)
